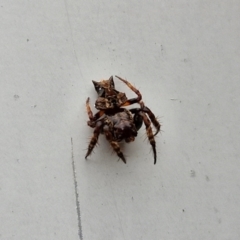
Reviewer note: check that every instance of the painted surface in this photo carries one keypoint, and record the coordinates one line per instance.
(183, 56)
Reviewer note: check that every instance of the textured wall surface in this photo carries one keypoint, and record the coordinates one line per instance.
(183, 56)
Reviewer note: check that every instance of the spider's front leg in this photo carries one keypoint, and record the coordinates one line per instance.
(132, 100)
(113, 143)
(89, 111)
(92, 119)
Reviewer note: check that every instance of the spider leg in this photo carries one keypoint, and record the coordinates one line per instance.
(89, 111)
(92, 118)
(132, 100)
(98, 115)
(94, 138)
(113, 143)
(152, 117)
(149, 134)
(138, 120)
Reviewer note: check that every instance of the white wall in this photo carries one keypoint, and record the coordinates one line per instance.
(183, 56)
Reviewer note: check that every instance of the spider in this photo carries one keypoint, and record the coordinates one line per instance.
(116, 122)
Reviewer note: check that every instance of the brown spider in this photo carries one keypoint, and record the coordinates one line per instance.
(118, 123)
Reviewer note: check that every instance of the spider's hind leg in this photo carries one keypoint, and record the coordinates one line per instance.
(94, 138)
(113, 143)
(152, 117)
(149, 134)
(137, 119)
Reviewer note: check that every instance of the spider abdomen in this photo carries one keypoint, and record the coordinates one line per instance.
(122, 126)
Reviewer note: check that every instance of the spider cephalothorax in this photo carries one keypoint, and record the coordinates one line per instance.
(108, 96)
(116, 122)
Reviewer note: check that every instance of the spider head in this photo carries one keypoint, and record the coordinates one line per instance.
(104, 87)
(108, 96)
